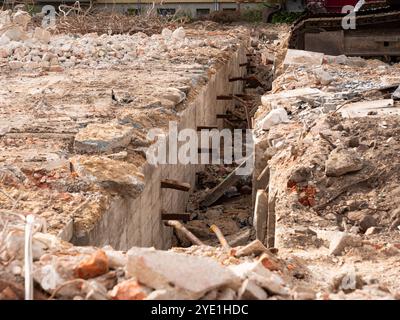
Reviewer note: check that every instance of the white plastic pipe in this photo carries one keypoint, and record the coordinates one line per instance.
(30, 219)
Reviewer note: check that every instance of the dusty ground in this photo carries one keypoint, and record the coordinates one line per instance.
(337, 226)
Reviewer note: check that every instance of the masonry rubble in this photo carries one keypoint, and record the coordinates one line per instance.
(64, 271)
(333, 173)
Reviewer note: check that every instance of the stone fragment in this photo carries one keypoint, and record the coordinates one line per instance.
(15, 33)
(371, 230)
(166, 33)
(112, 175)
(294, 94)
(102, 137)
(168, 294)
(253, 248)
(396, 94)
(116, 259)
(340, 240)
(251, 291)
(263, 277)
(370, 107)
(192, 275)
(129, 290)
(342, 161)
(41, 242)
(347, 281)
(273, 118)
(22, 19)
(52, 271)
(226, 294)
(356, 216)
(323, 77)
(302, 293)
(93, 266)
(14, 65)
(42, 35)
(179, 34)
(302, 57)
(174, 95)
(366, 222)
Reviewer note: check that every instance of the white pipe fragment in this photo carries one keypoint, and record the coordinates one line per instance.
(28, 257)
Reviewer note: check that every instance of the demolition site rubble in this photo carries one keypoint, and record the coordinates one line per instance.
(318, 218)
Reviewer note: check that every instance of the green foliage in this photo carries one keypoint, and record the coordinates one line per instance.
(251, 15)
(285, 17)
(32, 9)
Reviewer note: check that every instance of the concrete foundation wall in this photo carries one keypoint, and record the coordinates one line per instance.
(137, 222)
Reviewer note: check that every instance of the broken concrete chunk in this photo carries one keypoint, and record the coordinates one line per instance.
(267, 99)
(302, 57)
(226, 294)
(396, 94)
(342, 161)
(116, 259)
(102, 137)
(340, 240)
(302, 293)
(15, 33)
(114, 176)
(174, 95)
(274, 117)
(168, 294)
(323, 77)
(14, 244)
(372, 230)
(21, 18)
(42, 35)
(179, 34)
(366, 108)
(192, 274)
(263, 277)
(255, 247)
(251, 291)
(15, 65)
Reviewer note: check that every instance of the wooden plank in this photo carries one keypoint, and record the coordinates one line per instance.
(175, 216)
(174, 184)
(219, 190)
(271, 220)
(260, 217)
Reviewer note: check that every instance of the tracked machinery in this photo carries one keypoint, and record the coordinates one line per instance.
(326, 27)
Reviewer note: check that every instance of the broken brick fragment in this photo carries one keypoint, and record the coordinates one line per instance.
(269, 263)
(93, 266)
(129, 290)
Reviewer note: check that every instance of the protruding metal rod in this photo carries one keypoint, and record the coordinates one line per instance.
(178, 226)
(220, 237)
(174, 184)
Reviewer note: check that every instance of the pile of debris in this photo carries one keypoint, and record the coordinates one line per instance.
(328, 135)
(37, 48)
(63, 271)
